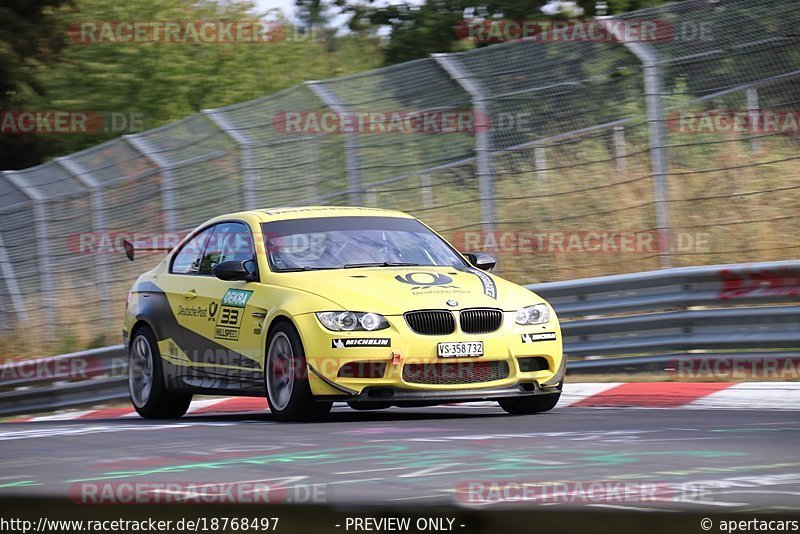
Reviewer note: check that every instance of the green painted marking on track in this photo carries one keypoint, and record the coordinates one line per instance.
(706, 470)
(621, 457)
(320, 457)
(508, 462)
(19, 484)
(754, 429)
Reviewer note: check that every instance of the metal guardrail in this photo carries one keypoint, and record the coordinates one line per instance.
(83, 378)
(682, 364)
(652, 314)
(684, 287)
(660, 318)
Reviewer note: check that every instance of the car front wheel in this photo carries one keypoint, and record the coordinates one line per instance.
(288, 391)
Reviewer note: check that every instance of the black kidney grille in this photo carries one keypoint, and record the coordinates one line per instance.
(454, 372)
(481, 321)
(431, 322)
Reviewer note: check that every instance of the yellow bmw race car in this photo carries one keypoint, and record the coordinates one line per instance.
(314, 305)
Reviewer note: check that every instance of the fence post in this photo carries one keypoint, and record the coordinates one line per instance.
(483, 140)
(352, 161)
(167, 182)
(40, 222)
(98, 223)
(7, 272)
(753, 122)
(540, 162)
(656, 121)
(427, 190)
(312, 153)
(620, 149)
(371, 198)
(246, 159)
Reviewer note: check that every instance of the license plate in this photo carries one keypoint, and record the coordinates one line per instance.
(460, 349)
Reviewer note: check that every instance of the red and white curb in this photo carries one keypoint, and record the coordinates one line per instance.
(685, 395)
(697, 395)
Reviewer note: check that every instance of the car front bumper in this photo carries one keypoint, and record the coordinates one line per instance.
(410, 397)
(407, 347)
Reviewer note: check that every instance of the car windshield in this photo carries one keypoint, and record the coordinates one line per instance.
(353, 242)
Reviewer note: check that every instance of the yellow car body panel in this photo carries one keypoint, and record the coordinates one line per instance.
(212, 334)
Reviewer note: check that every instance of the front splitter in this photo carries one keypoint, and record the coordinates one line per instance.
(392, 395)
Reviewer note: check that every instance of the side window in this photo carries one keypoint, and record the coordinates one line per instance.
(187, 260)
(231, 241)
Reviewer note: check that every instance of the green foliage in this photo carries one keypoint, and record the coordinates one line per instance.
(615, 7)
(163, 82)
(312, 13)
(30, 38)
(418, 30)
(31, 34)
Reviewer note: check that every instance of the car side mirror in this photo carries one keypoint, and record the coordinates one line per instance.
(235, 270)
(482, 261)
(128, 246)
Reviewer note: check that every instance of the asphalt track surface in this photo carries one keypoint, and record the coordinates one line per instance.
(723, 460)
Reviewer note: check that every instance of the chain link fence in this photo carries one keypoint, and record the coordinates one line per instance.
(571, 157)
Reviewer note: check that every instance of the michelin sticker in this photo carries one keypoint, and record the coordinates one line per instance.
(343, 343)
(533, 338)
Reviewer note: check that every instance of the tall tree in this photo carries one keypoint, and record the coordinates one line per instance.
(312, 14)
(31, 36)
(418, 30)
(160, 81)
(616, 7)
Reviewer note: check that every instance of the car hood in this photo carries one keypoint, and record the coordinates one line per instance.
(395, 290)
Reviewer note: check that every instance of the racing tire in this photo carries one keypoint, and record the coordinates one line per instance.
(286, 374)
(146, 384)
(530, 405)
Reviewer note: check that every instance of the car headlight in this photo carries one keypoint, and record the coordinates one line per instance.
(347, 321)
(536, 314)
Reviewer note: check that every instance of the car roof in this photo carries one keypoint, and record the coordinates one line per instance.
(307, 212)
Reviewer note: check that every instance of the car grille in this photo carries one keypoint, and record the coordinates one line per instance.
(455, 372)
(431, 322)
(480, 321)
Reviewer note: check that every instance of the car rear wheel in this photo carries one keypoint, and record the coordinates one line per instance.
(149, 394)
(288, 391)
(530, 405)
